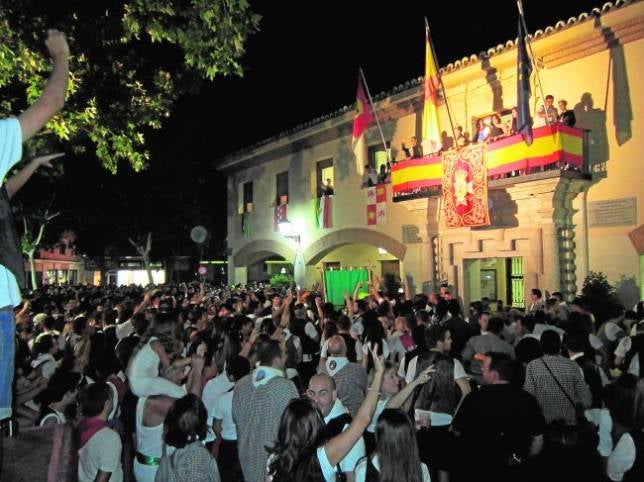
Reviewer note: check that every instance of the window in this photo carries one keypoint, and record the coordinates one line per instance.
(377, 156)
(325, 177)
(281, 188)
(516, 287)
(248, 197)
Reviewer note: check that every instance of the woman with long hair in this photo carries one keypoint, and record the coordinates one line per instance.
(374, 334)
(395, 458)
(157, 346)
(302, 452)
(184, 429)
(390, 387)
(438, 398)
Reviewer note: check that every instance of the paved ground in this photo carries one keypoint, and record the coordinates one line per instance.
(27, 457)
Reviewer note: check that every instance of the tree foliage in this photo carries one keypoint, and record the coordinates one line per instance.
(130, 62)
(601, 297)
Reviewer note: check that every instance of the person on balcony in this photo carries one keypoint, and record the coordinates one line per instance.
(546, 111)
(497, 128)
(370, 176)
(512, 128)
(415, 151)
(567, 117)
(461, 140)
(482, 130)
(384, 174)
(327, 188)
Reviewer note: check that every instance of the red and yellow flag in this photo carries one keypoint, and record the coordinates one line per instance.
(361, 120)
(431, 127)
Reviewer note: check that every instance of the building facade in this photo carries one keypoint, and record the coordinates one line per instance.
(549, 228)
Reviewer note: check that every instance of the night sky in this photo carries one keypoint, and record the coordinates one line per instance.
(302, 64)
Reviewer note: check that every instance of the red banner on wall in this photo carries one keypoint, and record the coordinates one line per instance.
(465, 187)
(376, 204)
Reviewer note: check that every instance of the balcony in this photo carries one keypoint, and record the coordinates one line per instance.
(556, 151)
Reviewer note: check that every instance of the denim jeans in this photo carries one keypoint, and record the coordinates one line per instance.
(7, 349)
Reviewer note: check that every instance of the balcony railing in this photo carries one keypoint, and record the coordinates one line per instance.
(554, 147)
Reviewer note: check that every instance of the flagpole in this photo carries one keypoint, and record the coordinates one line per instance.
(532, 59)
(440, 79)
(373, 108)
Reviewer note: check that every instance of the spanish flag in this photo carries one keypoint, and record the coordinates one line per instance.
(361, 120)
(431, 128)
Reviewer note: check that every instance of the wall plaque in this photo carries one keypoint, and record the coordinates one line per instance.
(612, 212)
(410, 234)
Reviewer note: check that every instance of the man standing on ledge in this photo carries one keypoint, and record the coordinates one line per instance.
(13, 132)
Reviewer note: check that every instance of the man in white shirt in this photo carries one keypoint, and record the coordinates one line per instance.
(13, 132)
(99, 456)
(323, 392)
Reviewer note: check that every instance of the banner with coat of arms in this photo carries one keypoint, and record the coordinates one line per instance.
(376, 204)
(465, 187)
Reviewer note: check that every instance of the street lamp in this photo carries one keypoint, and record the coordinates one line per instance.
(286, 228)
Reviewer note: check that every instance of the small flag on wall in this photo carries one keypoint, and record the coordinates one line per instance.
(323, 208)
(245, 225)
(280, 215)
(376, 204)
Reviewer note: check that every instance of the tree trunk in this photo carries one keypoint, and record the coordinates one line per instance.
(32, 269)
(146, 262)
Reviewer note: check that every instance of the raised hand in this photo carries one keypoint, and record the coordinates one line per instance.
(378, 361)
(46, 160)
(426, 375)
(56, 43)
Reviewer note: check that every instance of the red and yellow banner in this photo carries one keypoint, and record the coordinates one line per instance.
(465, 187)
(416, 175)
(552, 144)
(556, 143)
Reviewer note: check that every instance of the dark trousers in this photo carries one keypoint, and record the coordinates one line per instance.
(228, 461)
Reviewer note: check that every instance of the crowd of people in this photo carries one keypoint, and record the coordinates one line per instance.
(195, 382)
(251, 383)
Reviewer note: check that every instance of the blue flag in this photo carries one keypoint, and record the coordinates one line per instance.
(524, 69)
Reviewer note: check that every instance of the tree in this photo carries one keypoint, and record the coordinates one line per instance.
(600, 297)
(130, 62)
(30, 240)
(144, 251)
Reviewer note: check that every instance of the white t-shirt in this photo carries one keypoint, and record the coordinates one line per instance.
(101, 452)
(224, 412)
(622, 458)
(361, 470)
(380, 406)
(623, 347)
(385, 348)
(10, 153)
(214, 389)
(602, 419)
(124, 329)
